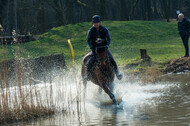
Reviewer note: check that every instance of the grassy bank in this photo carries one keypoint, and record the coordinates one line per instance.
(158, 37)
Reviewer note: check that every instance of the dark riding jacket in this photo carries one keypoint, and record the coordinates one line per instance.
(184, 27)
(94, 34)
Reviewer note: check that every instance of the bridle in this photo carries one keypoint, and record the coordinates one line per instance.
(102, 58)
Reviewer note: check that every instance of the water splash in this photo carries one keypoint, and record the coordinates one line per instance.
(139, 103)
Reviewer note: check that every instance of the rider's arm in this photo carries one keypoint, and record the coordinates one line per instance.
(89, 40)
(188, 26)
(108, 37)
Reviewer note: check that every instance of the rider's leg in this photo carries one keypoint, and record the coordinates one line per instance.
(89, 65)
(118, 74)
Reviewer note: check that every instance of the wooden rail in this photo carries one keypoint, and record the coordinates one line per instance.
(6, 40)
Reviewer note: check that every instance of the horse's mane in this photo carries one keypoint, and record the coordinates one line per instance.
(101, 50)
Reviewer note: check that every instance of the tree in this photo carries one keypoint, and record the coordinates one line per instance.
(133, 7)
(166, 4)
(147, 9)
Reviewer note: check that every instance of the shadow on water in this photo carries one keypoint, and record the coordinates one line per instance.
(163, 103)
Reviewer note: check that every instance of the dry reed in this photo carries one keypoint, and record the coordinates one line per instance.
(22, 101)
(151, 75)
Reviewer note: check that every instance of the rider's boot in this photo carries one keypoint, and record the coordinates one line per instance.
(117, 73)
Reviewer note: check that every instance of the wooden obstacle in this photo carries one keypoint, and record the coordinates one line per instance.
(7, 40)
(144, 55)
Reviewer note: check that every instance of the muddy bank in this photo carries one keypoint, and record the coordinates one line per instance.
(177, 65)
(43, 68)
(149, 71)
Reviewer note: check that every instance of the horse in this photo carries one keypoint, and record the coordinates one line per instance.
(102, 74)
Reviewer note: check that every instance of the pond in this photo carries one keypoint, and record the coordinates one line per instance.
(163, 103)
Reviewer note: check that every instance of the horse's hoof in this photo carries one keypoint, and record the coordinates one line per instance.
(115, 102)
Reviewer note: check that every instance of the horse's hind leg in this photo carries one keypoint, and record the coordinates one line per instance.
(99, 90)
(107, 90)
(84, 84)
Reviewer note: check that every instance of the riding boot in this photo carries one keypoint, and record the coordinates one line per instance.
(115, 68)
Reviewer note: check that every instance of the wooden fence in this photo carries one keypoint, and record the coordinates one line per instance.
(6, 40)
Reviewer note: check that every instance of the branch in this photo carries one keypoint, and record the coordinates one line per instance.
(81, 3)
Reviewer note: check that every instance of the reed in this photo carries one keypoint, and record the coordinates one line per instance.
(151, 75)
(23, 101)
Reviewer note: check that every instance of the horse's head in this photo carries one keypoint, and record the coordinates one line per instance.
(102, 55)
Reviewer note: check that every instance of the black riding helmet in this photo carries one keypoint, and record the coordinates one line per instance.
(96, 19)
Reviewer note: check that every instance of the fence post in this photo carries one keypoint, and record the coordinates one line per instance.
(72, 52)
(1, 34)
(144, 55)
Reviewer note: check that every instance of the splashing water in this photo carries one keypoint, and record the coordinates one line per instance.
(150, 104)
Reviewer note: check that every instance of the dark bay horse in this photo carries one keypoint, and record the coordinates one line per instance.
(102, 74)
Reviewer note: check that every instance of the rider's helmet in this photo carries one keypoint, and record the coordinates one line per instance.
(96, 19)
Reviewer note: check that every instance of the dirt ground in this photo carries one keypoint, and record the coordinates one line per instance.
(177, 65)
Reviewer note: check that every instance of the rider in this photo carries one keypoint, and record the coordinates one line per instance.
(96, 34)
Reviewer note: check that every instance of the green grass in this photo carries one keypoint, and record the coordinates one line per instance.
(127, 37)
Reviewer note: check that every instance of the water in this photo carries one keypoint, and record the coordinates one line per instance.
(161, 104)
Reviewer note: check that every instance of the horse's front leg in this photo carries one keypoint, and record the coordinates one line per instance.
(107, 90)
(111, 86)
(83, 73)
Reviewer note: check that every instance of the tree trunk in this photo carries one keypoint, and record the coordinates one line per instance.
(69, 11)
(166, 8)
(133, 7)
(103, 9)
(147, 10)
(155, 9)
(16, 23)
(123, 9)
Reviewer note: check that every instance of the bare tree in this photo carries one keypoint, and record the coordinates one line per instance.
(147, 9)
(166, 4)
(133, 7)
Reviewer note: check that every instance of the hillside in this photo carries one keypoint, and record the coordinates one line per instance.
(127, 37)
